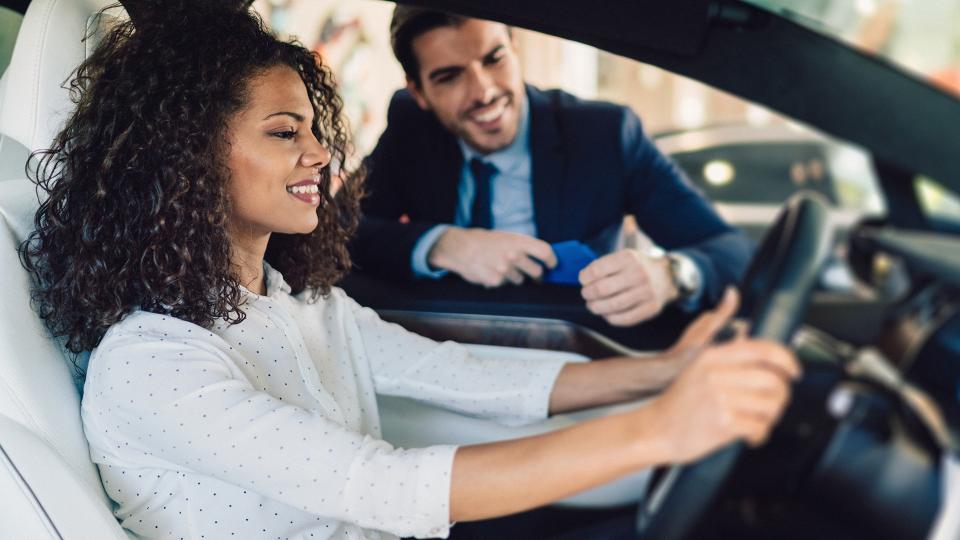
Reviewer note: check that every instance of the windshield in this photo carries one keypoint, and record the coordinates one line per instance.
(922, 36)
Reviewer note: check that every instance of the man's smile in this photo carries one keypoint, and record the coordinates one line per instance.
(489, 116)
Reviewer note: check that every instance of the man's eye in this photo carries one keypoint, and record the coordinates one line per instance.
(285, 134)
(495, 59)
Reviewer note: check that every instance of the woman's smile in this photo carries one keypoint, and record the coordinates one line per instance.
(307, 191)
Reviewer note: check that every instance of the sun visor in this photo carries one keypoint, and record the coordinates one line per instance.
(675, 27)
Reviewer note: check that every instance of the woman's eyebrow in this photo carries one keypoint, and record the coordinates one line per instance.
(296, 116)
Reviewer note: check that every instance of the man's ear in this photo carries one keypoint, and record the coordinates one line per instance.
(417, 94)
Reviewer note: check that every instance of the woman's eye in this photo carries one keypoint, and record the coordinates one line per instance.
(285, 134)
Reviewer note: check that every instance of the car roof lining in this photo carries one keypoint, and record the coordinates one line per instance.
(674, 27)
(764, 58)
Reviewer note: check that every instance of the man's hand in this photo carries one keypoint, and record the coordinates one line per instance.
(733, 391)
(627, 287)
(491, 258)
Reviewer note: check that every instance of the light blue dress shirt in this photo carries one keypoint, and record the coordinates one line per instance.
(511, 195)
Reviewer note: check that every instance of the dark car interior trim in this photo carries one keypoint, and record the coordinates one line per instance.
(931, 254)
(898, 187)
(20, 6)
(676, 27)
(522, 332)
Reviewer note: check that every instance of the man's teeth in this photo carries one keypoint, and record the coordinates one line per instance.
(490, 115)
(310, 188)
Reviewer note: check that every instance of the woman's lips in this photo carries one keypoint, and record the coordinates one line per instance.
(307, 191)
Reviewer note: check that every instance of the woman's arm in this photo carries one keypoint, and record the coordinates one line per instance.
(733, 391)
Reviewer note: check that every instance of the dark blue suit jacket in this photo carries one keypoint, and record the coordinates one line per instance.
(591, 165)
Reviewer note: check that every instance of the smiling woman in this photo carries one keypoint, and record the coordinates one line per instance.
(276, 167)
(142, 225)
(191, 237)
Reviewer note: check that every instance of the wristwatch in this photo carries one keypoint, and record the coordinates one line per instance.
(683, 271)
(685, 274)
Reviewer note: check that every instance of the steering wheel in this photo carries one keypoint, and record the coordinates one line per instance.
(776, 290)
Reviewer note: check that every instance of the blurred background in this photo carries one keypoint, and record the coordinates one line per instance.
(744, 157)
(920, 35)
(714, 136)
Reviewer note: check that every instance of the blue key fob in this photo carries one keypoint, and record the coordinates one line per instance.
(572, 257)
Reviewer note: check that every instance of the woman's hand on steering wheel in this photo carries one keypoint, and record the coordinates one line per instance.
(732, 391)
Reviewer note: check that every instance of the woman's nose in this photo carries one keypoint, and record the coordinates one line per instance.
(316, 156)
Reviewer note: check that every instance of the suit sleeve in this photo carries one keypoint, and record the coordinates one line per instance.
(676, 216)
(383, 244)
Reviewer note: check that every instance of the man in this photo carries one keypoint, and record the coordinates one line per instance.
(478, 174)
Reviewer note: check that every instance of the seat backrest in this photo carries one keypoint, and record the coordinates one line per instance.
(13, 155)
(42, 496)
(44, 454)
(37, 388)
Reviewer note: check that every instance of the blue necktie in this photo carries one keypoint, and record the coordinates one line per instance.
(481, 214)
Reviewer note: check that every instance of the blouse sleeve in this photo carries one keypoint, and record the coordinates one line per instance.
(405, 364)
(182, 406)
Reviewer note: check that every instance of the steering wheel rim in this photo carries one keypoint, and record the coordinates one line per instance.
(776, 290)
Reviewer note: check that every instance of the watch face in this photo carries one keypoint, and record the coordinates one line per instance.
(685, 274)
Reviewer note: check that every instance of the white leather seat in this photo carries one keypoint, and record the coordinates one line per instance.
(13, 155)
(48, 485)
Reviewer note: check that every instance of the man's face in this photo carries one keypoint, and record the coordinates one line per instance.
(470, 78)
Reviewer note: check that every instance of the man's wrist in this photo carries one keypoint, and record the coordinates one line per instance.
(419, 258)
(685, 276)
(438, 257)
(661, 260)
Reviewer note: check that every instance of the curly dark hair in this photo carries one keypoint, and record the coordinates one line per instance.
(134, 199)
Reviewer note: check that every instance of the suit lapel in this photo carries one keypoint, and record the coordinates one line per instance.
(441, 168)
(547, 166)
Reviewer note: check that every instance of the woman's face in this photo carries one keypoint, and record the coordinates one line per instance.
(274, 158)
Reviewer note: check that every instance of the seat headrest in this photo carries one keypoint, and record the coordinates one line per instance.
(49, 47)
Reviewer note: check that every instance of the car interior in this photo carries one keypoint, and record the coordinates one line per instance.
(868, 448)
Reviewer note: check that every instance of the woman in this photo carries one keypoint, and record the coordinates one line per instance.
(190, 239)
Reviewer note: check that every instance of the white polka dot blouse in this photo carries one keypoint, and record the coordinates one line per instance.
(268, 429)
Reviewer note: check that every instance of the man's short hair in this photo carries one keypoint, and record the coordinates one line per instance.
(407, 24)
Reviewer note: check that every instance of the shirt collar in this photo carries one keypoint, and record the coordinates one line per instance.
(274, 282)
(510, 157)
